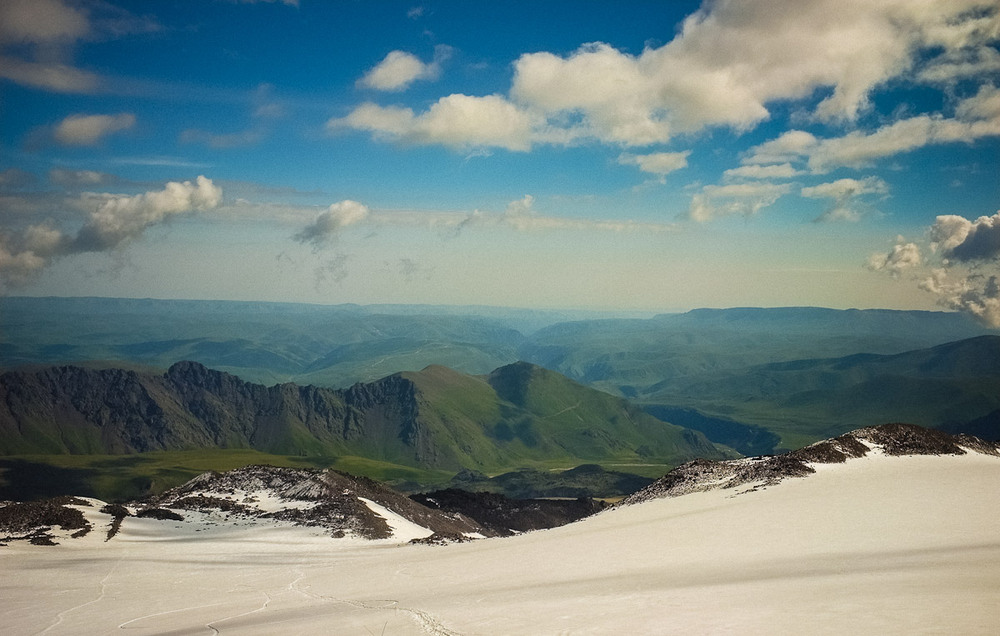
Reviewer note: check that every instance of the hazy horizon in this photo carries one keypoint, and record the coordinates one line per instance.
(625, 157)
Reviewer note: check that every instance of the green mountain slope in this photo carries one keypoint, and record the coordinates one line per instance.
(807, 400)
(433, 419)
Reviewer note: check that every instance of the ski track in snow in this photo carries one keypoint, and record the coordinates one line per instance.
(100, 597)
(425, 620)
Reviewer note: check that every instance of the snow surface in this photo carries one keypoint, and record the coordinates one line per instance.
(878, 545)
(403, 529)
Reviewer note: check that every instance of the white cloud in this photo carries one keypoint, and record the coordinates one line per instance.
(731, 59)
(611, 89)
(37, 38)
(520, 215)
(15, 179)
(458, 121)
(329, 223)
(790, 146)
(975, 117)
(80, 178)
(753, 171)
(959, 64)
(87, 130)
(960, 239)
(41, 21)
(658, 163)
(399, 69)
(844, 192)
(52, 76)
(120, 218)
(113, 221)
(975, 294)
(963, 269)
(730, 62)
(901, 257)
(739, 199)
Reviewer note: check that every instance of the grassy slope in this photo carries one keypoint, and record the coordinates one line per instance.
(808, 400)
(122, 477)
(523, 415)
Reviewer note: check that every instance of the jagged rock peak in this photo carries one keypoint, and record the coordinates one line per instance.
(888, 439)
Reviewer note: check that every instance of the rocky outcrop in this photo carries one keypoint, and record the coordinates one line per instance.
(316, 498)
(889, 439)
(505, 516)
(34, 521)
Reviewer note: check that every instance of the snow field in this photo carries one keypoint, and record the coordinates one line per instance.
(878, 545)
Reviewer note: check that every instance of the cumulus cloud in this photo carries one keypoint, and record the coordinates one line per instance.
(657, 163)
(962, 268)
(845, 193)
(739, 199)
(973, 293)
(87, 130)
(115, 220)
(332, 221)
(957, 238)
(731, 59)
(729, 63)
(901, 257)
(458, 121)
(399, 69)
(120, 218)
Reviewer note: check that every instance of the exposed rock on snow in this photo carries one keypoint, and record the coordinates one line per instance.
(889, 439)
(35, 521)
(505, 516)
(340, 503)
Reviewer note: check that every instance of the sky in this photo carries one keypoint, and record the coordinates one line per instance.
(650, 156)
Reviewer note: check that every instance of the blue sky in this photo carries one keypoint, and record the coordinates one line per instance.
(651, 156)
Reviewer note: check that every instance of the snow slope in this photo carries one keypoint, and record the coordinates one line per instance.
(876, 545)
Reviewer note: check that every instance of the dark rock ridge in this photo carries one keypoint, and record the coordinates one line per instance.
(585, 480)
(78, 410)
(891, 439)
(505, 516)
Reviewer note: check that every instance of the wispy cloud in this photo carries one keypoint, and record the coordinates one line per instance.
(38, 38)
(87, 130)
(738, 199)
(845, 194)
(975, 117)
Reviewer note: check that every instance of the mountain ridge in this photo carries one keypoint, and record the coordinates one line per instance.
(895, 439)
(436, 418)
